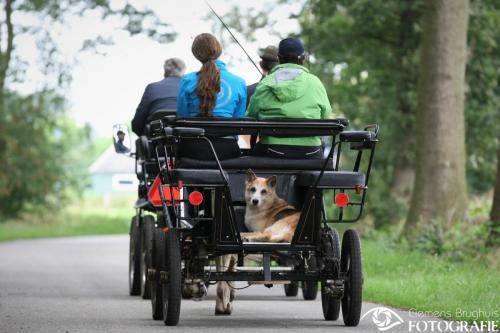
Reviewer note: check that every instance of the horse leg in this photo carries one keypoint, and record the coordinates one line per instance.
(225, 294)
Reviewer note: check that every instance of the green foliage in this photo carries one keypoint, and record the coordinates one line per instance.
(44, 156)
(41, 153)
(464, 241)
(366, 53)
(483, 94)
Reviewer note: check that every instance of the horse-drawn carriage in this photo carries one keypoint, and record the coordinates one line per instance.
(199, 208)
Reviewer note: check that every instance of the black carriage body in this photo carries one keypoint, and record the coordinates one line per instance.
(211, 229)
(301, 182)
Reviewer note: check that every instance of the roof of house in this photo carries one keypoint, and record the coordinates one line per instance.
(111, 162)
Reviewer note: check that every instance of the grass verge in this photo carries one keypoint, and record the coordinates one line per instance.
(89, 217)
(413, 280)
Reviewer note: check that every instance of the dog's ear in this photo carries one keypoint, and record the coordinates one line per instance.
(272, 181)
(250, 176)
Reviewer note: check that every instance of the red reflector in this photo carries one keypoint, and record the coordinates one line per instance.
(154, 194)
(341, 199)
(195, 198)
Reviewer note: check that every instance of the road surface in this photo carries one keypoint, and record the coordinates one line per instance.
(79, 284)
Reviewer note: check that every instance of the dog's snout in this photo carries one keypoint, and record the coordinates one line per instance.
(255, 202)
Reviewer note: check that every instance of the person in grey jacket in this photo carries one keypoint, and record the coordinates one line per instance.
(269, 56)
(159, 95)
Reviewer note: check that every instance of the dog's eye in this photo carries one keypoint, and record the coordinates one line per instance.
(252, 190)
(263, 192)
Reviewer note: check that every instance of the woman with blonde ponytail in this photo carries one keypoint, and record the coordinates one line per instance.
(211, 92)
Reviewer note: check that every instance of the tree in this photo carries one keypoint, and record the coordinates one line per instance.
(365, 52)
(38, 144)
(440, 190)
(377, 41)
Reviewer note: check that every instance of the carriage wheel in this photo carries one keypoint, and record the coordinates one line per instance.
(330, 304)
(310, 288)
(350, 265)
(156, 285)
(146, 254)
(172, 289)
(291, 289)
(134, 266)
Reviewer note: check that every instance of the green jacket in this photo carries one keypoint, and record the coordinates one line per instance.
(290, 91)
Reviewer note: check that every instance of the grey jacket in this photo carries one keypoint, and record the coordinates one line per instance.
(157, 96)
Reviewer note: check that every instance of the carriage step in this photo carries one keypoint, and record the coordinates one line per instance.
(284, 244)
(251, 269)
(267, 282)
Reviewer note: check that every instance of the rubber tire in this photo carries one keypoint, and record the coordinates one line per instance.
(310, 288)
(350, 263)
(134, 265)
(291, 289)
(330, 305)
(148, 225)
(156, 286)
(172, 294)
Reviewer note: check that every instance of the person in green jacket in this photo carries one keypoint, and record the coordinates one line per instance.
(290, 91)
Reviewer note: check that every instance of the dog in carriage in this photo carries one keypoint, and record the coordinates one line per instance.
(268, 217)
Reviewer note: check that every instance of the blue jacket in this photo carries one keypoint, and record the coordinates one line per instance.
(161, 95)
(231, 100)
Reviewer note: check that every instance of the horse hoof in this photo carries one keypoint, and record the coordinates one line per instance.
(222, 313)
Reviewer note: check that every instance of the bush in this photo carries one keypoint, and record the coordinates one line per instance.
(41, 154)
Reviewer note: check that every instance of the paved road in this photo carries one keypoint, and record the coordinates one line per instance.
(80, 285)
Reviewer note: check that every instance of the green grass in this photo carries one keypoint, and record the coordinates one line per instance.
(417, 281)
(88, 217)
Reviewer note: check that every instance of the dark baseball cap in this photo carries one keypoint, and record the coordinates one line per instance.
(269, 53)
(291, 48)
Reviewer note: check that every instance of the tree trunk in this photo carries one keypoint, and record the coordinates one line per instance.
(494, 236)
(7, 54)
(439, 189)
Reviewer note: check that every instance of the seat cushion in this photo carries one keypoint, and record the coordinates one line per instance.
(197, 176)
(342, 179)
(256, 163)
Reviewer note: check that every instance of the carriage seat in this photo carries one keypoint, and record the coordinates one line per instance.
(257, 163)
(197, 176)
(342, 179)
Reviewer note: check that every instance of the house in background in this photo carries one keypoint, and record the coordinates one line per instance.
(113, 174)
